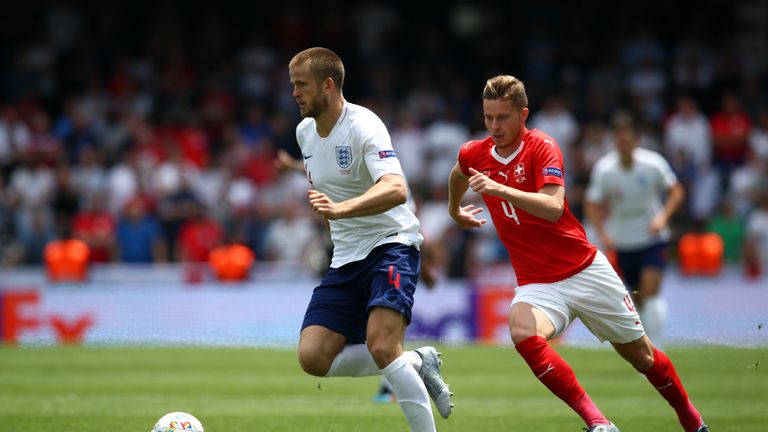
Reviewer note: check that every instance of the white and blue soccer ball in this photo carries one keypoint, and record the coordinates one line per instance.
(178, 422)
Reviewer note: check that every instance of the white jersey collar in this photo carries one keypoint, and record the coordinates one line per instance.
(510, 158)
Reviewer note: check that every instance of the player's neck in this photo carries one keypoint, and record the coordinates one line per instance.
(510, 149)
(626, 160)
(327, 120)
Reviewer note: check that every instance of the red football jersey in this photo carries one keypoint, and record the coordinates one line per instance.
(540, 251)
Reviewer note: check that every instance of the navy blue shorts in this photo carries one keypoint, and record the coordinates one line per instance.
(387, 277)
(633, 262)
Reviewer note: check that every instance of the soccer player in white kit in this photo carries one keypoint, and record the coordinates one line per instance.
(356, 320)
(641, 193)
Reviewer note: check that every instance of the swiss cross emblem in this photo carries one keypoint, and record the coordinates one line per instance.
(519, 170)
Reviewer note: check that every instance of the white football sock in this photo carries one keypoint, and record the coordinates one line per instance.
(356, 361)
(414, 359)
(411, 394)
(654, 317)
(353, 361)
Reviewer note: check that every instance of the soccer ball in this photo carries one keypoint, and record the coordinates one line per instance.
(177, 422)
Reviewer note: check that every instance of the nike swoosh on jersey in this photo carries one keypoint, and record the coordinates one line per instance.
(306, 157)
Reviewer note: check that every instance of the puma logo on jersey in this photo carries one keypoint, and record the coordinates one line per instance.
(550, 143)
(549, 368)
(504, 174)
(669, 384)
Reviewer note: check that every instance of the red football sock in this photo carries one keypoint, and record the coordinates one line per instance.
(559, 378)
(664, 377)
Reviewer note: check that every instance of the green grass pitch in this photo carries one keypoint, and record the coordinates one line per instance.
(126, 389)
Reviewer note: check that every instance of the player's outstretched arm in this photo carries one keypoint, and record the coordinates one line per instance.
(457, 186)
(595, 215)
(389, 192)
(284, 162)
(548, 203)
(675, 198)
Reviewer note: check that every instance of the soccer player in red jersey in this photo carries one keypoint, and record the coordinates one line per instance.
(561, 275)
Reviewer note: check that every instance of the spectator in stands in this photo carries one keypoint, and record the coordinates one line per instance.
(89, 176)
(198, 235)
(555, 120)
(76, 131)
(688, 144)
(96, 226)
(139, 235)
(30, 243)
(758, 137)
(294, 224)
(756, 242)
(14, 138)
(43, 144)
(730, 228)
(32, 186)
(65, 200)
(730, 134)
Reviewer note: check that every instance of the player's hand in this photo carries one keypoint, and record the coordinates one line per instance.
(658, 223)
(466, 217)
(482, 184)
(322, 205)
(428, 275)
(284, 162)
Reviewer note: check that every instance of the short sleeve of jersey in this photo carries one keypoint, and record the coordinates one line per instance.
(548, 164)
(464, 158)
(300, 131)
(668, 177)
(380, 156)
(595, 191)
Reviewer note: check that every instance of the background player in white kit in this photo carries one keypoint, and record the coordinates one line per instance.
(641, 193)
(356, 320)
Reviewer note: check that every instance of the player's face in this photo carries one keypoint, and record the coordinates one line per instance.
(307, 91)
(504, 122)
(626, 140)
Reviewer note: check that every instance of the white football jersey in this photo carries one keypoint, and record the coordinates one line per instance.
(634, 196)
(344, 165)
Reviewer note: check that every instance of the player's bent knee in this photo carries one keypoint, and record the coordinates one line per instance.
(314, 364)
(520, 334)
(638, 353)
(383, 353)
(642, 361)
(520, 330)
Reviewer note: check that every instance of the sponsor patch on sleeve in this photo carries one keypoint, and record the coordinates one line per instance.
(553, 171)
(387, 154)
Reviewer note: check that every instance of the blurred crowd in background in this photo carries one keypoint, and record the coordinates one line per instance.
(149, 129)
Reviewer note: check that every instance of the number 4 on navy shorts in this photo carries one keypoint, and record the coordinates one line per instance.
(387, 277)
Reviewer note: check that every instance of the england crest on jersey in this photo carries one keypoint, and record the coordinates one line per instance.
(344, 156)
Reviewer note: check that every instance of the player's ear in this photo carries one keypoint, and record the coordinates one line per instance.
(328, 84)
(524, 113)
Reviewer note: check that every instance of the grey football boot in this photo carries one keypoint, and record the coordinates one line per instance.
(433, 381)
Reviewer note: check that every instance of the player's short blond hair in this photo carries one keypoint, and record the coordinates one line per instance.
(323, 63)
(508, 88)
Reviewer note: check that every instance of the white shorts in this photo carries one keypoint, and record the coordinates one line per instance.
(596, 296)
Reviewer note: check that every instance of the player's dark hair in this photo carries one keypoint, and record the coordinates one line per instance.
(622, 119)
(506, 87)
(323, 63)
